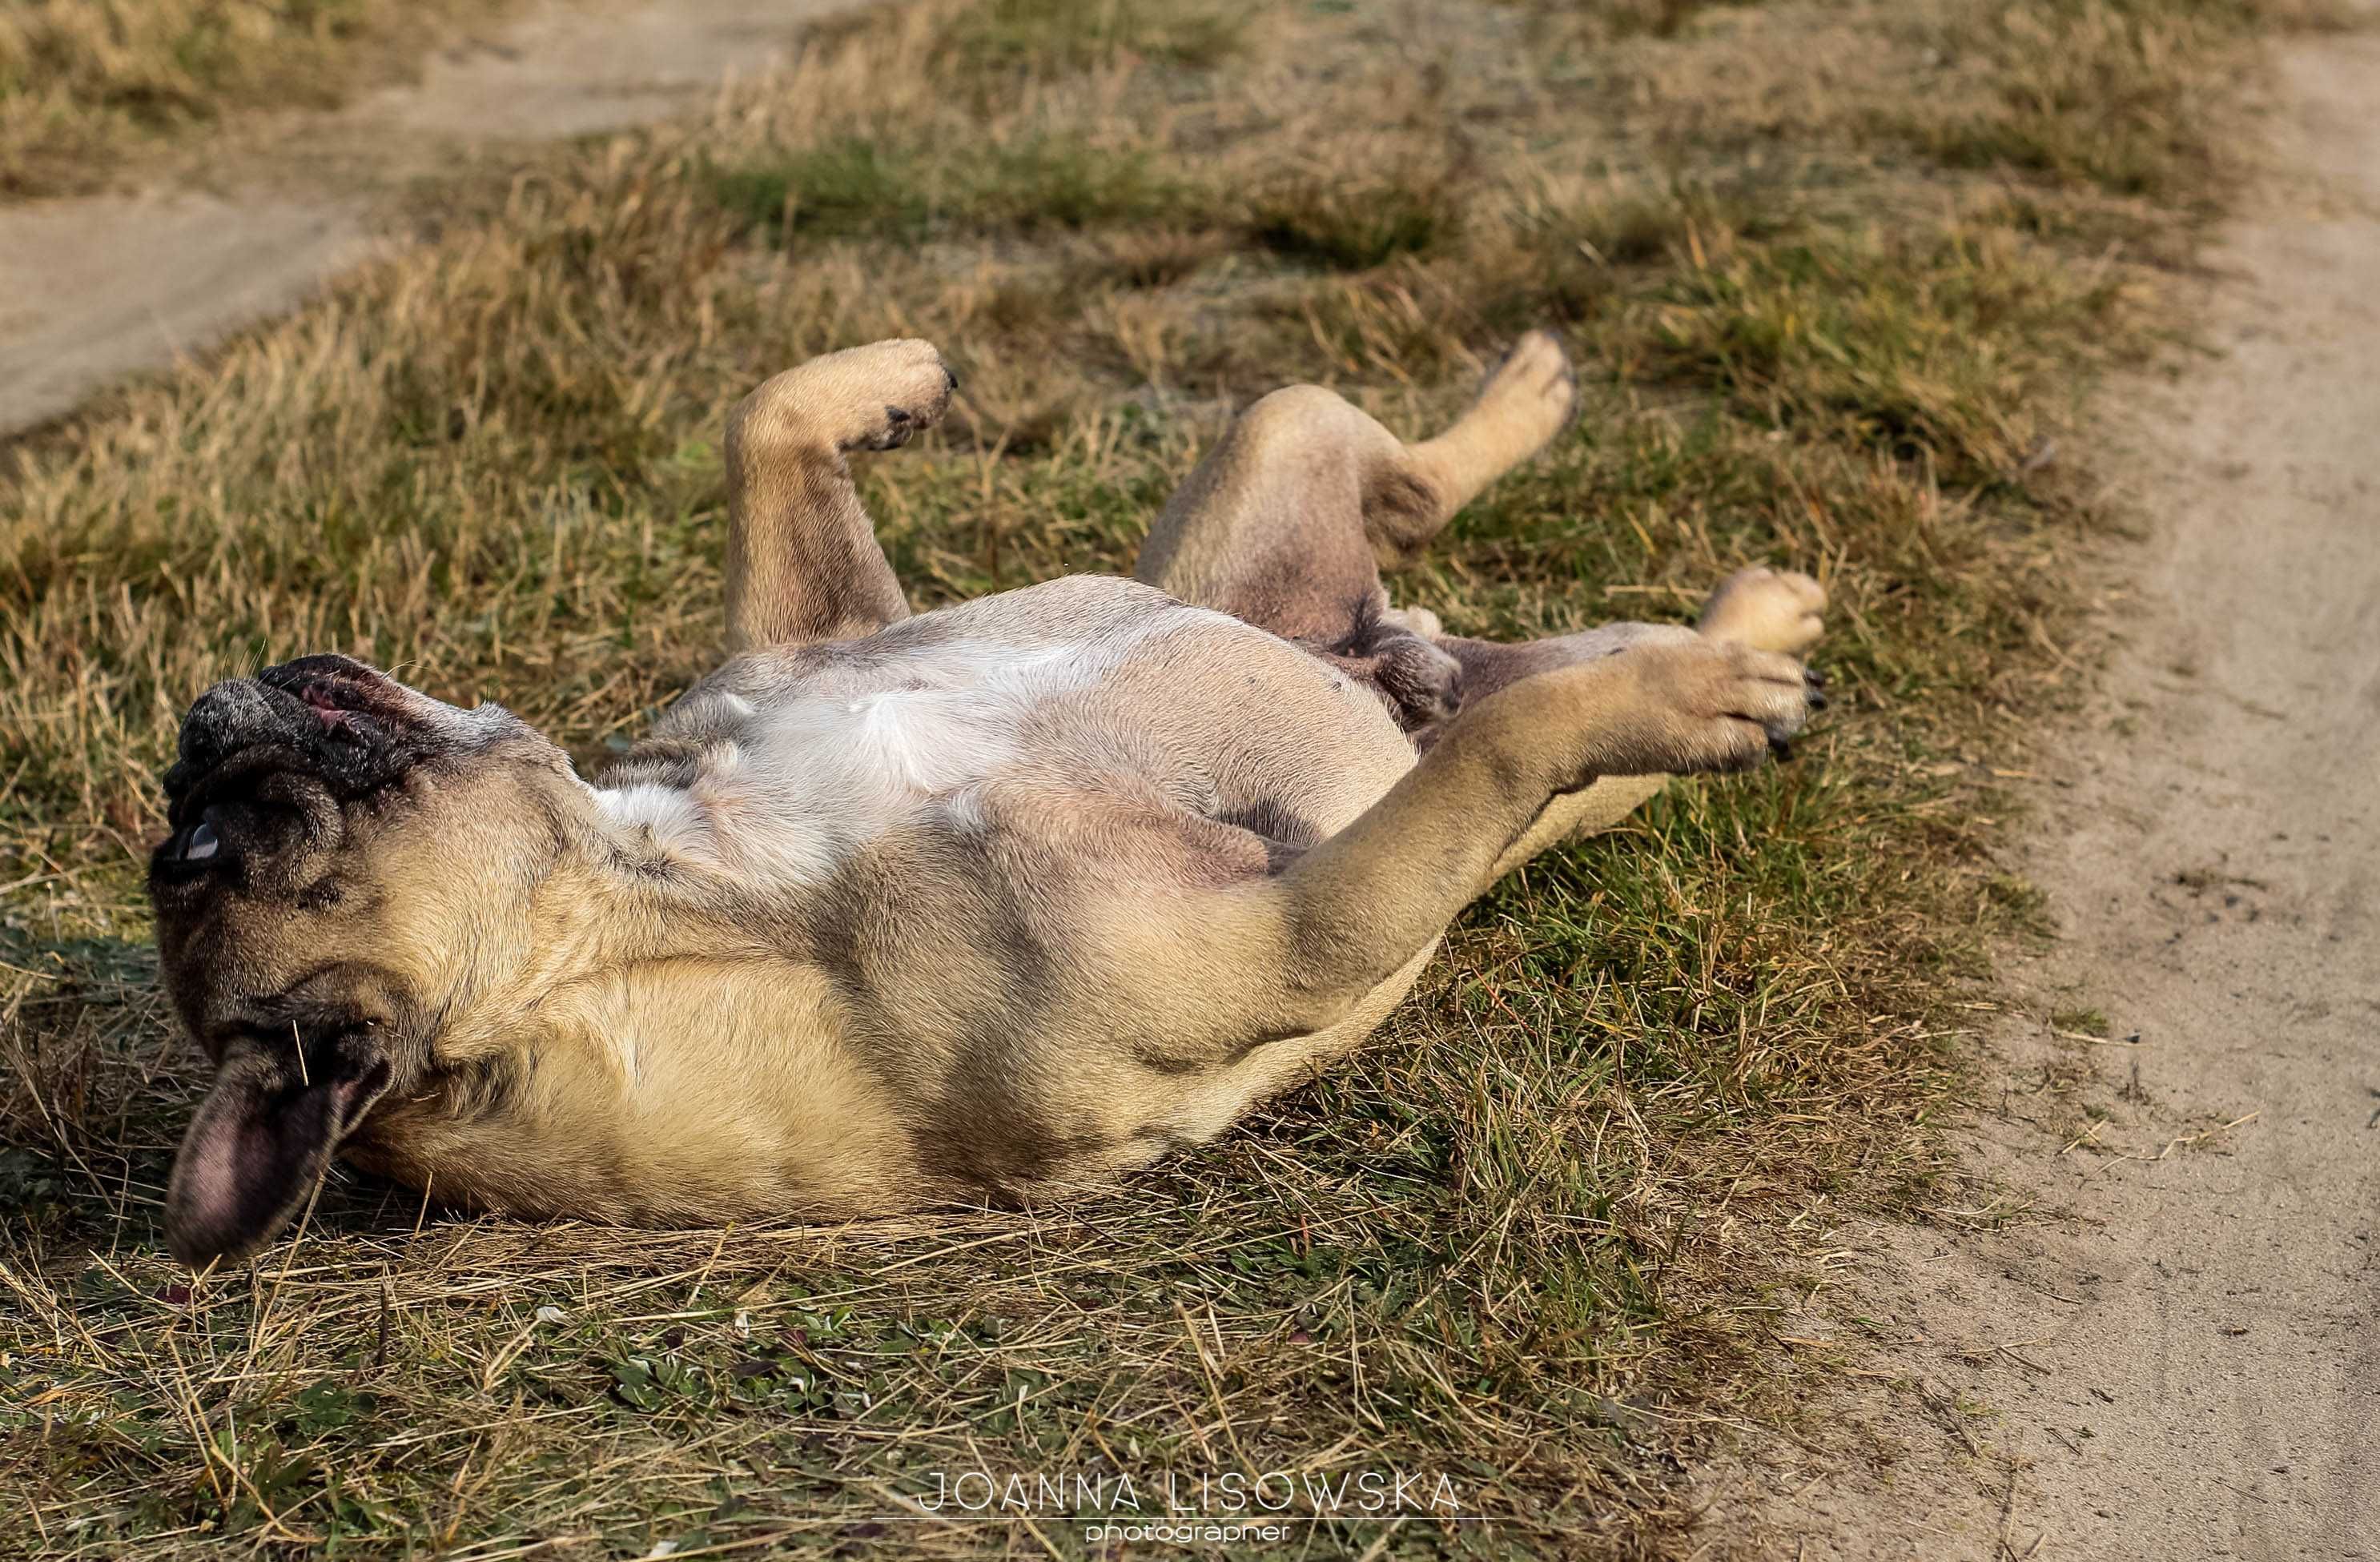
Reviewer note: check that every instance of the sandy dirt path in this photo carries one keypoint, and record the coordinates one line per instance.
(2184, 1363)
(98, 287)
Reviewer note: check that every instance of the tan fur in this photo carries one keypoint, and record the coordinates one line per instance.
(895, 911)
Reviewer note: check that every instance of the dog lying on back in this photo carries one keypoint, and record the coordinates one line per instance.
(888, 910)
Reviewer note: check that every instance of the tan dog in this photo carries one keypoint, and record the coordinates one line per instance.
(890, 912)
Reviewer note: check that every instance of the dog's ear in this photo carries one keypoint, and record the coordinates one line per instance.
(263, 1138)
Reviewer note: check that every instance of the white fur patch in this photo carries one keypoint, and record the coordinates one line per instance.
(817, 774)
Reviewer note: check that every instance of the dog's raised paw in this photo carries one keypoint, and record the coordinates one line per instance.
(915, 383)
(1535, 382)
(874, 397)
(1770, 610)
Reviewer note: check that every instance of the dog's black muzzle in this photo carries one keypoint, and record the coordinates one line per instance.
(354, 728)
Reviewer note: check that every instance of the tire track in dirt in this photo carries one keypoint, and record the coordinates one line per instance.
(97, 287)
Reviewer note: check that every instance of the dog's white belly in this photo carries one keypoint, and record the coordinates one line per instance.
(813, 754)
(810, 777)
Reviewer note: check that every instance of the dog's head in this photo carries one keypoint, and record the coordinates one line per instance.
(351, 859)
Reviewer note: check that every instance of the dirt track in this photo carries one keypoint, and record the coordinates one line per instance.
(101, 286)
(2186, 1363)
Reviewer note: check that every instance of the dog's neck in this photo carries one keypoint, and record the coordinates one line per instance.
(642, 1020)
(607, 905)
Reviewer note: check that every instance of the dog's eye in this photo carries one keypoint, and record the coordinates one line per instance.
(199, 844)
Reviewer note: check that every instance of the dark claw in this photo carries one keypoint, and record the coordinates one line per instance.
(1781, 748)
(1817, 680)
(1817, 700)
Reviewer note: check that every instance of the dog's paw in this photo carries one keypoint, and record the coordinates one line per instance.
(1413, 621)
(1535, 387)
(916, 386)
(874, 397)
(1711, 704)
(1768, 609)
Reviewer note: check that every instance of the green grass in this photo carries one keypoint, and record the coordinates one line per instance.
(1539, 1237)
(2080, 1022)
(858, 188)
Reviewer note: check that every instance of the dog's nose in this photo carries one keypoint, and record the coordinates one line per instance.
(231, 716)
(328, 717)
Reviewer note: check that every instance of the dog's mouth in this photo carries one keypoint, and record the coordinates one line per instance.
(353, 703)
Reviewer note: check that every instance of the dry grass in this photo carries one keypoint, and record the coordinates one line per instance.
(85, 84)
(1538, 1237)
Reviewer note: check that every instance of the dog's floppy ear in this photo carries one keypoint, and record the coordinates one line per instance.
(263, 1138)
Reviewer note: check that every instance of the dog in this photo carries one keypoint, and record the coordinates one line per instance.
(892, 912)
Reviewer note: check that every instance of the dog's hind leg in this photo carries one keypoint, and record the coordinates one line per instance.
(1289, 520)
(1767, 610)
(1299, 952)
(803, 563)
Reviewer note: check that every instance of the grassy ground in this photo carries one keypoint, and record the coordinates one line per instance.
(1836, 275)
(87, 84)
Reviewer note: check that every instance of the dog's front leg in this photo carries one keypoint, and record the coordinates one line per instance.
(803, 563)
(1767, 610)
(1359, 907)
